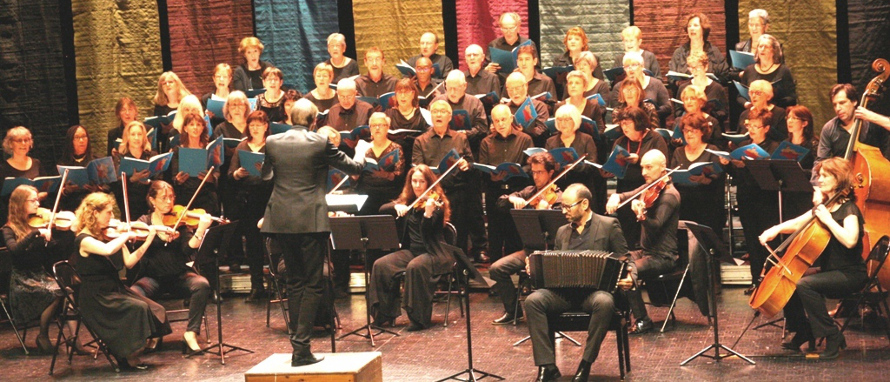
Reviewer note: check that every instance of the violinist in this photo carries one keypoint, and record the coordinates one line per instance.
(127, 322)
(194, 136)
(843, 271)
(33, 294)
(134, 144)
(758, 209)
(163, 266)
(251, 198)
(421, 258)
(542, 168)
(505, 144)
(639, 138)
(658, 214)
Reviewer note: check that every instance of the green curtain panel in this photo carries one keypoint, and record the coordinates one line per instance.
(602, 21)
(809, 41)
(663, 24)
(32, 76)
(395, 27)
(869, 36)
(204, 33)
(118, 50)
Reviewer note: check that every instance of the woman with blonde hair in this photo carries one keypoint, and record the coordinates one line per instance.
(222, 83)
(17, 145)
(134, 144)
(248, 76)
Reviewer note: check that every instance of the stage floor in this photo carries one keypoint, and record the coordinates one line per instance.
(440, 352)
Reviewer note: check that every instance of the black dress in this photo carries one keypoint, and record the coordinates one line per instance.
(122, 318)
(136, 191)
(6, 170)
(207, 199)
(705, 203)
(31, 288)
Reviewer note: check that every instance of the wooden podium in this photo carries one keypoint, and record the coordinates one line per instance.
(336, 367)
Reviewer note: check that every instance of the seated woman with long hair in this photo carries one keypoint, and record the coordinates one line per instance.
(842, 273)
(163, 267)
(423, 256)
(126, 321)
(33, 293)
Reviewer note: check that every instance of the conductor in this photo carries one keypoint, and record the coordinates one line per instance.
(297, 162)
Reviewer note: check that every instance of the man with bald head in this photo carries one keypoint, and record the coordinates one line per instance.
(479, 80)
(429, 43)
(349, 113)
(516, 88)
(427, 86)
(658, 238)
(456, 96)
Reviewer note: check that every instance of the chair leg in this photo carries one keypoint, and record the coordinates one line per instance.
(14, 328)
(448, 301)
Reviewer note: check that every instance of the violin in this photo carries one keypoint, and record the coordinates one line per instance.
(116, 228)
(432, 195)
(648, 197)
(190, 218)
(550, 194)
(43, 218)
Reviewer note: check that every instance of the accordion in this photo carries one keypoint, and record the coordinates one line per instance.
(575, 269)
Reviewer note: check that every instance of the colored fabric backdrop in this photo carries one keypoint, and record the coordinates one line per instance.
(204, 33)
(663, 24)
(869, 36)
(118, 50)
(602, 21)
(32, 78)
(477, 22)
(295, 35)
(395, 27)
(809, 41)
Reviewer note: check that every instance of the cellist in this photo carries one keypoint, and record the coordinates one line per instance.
(843, 271)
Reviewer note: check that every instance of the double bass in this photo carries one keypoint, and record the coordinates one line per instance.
(872, 170)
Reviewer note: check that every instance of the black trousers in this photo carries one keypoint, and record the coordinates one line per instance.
(758, 210)
(468, 217)
(188, 284)
(645, 266)
(419, 287)
(544, 302)
(500, 273)
(503, 238)
(806, 309)
(304, 255)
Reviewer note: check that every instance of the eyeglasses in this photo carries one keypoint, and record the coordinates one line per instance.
(756, 92)
(568, 207)
(34, 200)
(23, 140)
(631, 65)
(380, 127)
(81, 137)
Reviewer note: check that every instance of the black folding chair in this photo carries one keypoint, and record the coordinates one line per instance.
(872, 294)
(69, 282)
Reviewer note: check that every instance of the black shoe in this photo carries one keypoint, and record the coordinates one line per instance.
(548, 373)
(305, 359)
(256, 294)
(799, 339)
(507, 319)
(381, 321)
(234, 268)
(642, 326)
(340, 293)
(44, 344)
(583, 372)
(216, 298)
(415, 327)
(155, 347)
(482, 257)
(833, 344)
(126, 366)
(750, 290)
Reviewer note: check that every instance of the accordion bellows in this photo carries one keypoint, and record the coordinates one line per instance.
(575, 269)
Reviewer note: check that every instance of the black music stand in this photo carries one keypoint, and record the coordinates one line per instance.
(710, 244)
(466, 272)
(364, 233)
(211, 249)
(538, 228)
(350, 203)
(780, 176)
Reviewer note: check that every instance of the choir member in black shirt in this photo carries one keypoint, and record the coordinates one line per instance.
(769, 66)
(170, 93)
(407, 115)
(249, 76)
(323, 96)
(78, 152)
(575, 42)
(135, 144)
(527, 63)
(568, 122)
(758, 209)
(427, 86)
(509, 23)
(705, 197)
(479, 80)
(342, 66)
(272, 100)
(126, 112)
(222, 83)
(632, 38)
(761, 93)
(585, 63)
(799, 120)
(505, 144)
(698, 28)
(516, 88)
(376, 82)
(429, 43)
(17, 144)
(716, 103)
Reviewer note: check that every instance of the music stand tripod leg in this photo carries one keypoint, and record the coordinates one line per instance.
(676, 296)
(368, 326)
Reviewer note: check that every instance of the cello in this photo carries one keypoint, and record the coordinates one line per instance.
(801, 250)
(872, 170)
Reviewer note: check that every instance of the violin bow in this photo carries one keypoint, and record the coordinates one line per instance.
(52, 216)
(650, 185)
(126, 197)
(430, 188)
(192, 200)
(553, 181)
(345, 178)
